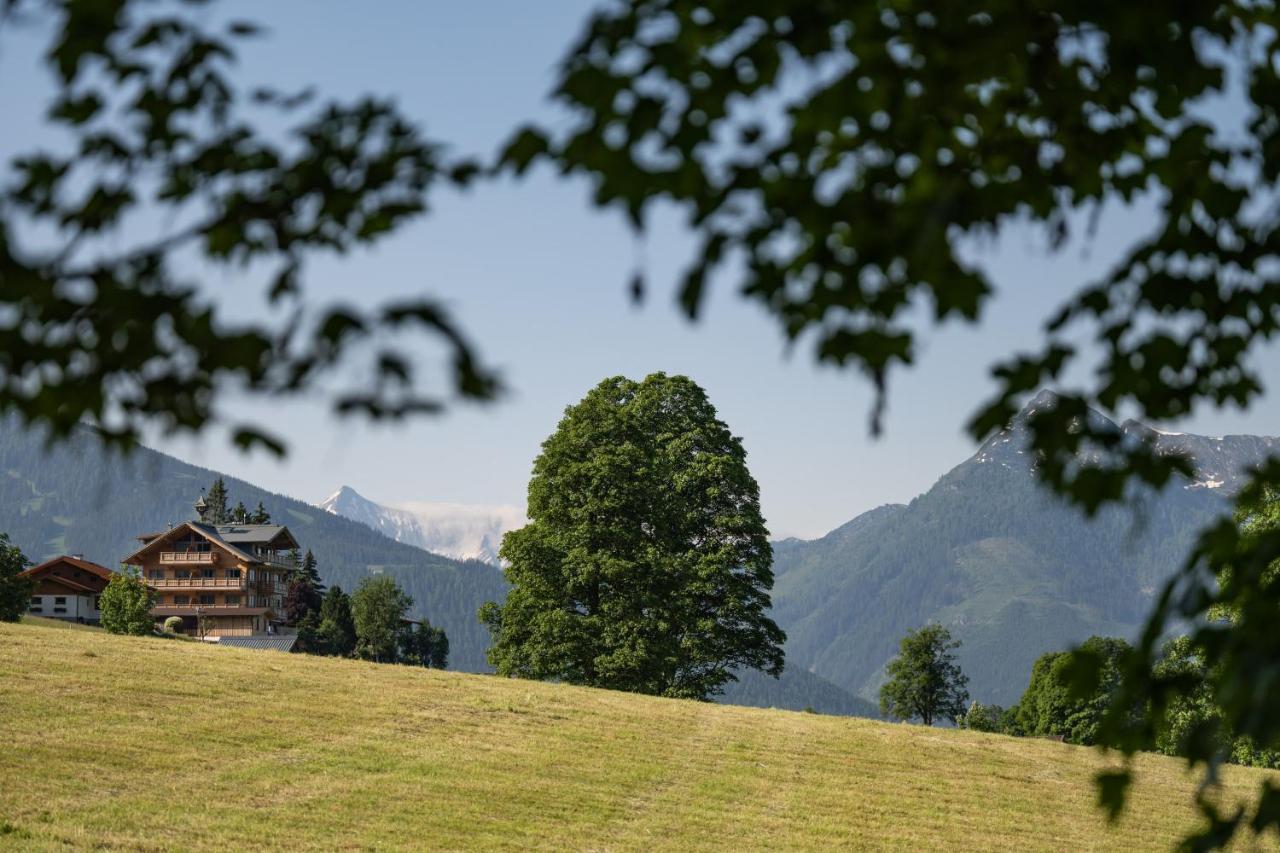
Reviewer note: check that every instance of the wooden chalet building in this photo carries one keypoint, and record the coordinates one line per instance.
(68, 588)
(232, 575)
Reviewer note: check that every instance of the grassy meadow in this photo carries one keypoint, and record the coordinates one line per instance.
(138, 743)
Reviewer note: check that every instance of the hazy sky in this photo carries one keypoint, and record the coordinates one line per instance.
(538, 278)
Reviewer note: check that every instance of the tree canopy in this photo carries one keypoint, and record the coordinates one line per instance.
(377, 606)
(160, 131)
(924, 681)
(15, 591)
(645, 565)
(126, 604)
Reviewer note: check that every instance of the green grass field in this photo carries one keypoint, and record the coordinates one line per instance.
(145, 744)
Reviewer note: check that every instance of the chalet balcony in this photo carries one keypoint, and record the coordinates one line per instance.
(281, 560)
(194, 583)
(189, 558)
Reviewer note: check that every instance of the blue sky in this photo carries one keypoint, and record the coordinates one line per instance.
(538, 278)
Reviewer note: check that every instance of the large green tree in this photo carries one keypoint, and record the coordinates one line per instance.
(15, 591)
(126, 604)
(1055, 704)
(645, 565)
(377, 606)
(924, 681)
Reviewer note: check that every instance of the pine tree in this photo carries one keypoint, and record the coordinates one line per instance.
(260, 515)
(217, 499)
(309, 571)
(240, 515)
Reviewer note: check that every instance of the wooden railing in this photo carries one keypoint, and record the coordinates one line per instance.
(226, 583)
(187, 557)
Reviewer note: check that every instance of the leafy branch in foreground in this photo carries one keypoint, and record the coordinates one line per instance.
(98, 325)
(838, 157)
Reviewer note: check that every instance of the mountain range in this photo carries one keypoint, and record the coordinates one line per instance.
(1008, 568)
(461, 531)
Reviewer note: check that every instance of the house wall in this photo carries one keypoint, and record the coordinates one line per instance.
(73, 607)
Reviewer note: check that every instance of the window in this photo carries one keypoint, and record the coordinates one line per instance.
(156, 574)
(206, 598)
(232, 573)
(233, 600)
(61, 599)
(206, 573)
(59, 610)
(181, 600)
(182, 573)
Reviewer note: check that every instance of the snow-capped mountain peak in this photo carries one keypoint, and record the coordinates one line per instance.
(461, 531)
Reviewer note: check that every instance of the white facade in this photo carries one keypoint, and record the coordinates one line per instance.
(68, 606)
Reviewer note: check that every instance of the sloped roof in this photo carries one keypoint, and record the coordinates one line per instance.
(252, 534)
(269, 642)
(207, 530)
(74, 586)
(80, 563)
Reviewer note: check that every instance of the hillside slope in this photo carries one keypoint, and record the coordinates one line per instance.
(77, 498)
(1009, 569)
(143, 743)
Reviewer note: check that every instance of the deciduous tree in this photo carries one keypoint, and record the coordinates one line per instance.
(126, 604)
(15, 591)
(377, 606)
(646, 563)
(925, 682)
(337, 631)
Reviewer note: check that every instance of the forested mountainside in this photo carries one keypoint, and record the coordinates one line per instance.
(79, 498)
(1007, 567)
(795, 690)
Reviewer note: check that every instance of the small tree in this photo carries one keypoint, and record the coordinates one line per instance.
(426, 646)
(925, 682)
(217, 500)
(260, 515)
(301, 600)
(15, 591)
(308, 568)
(983, 718)
(240, 515)
(377, 606)
(126, 604)
(337, 632)
(439, 649)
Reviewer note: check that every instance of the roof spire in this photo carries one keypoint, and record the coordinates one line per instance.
(201, 506)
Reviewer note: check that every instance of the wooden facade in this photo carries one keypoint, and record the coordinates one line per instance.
(221, 580)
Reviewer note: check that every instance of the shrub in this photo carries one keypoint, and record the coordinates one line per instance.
(173, 624)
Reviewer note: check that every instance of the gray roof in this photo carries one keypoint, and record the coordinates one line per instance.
(270, 642)
(247, 534)
(234, 537)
